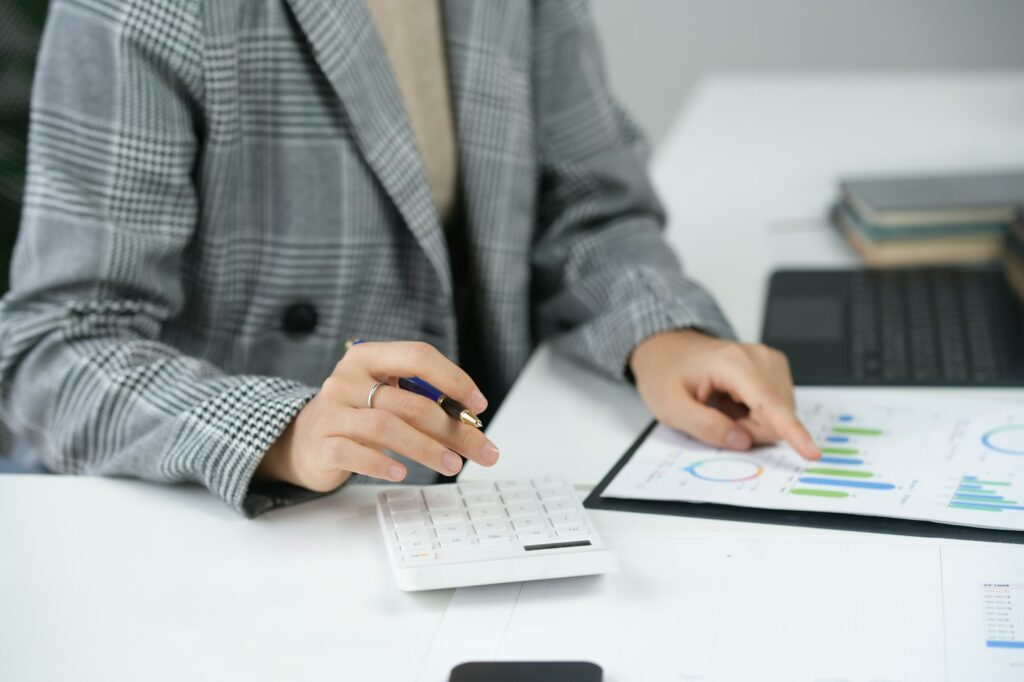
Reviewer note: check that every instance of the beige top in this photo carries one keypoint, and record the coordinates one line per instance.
(413, 36)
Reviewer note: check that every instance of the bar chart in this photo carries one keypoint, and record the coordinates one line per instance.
(842, 468)
(985, 495)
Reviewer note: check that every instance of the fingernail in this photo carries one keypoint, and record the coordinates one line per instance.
(737, 439)
(396, 472)
(477, 401)
(451, 462)
(811, 448)
(490, 453)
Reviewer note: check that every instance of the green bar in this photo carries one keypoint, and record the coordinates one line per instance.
(985, 482)
(848, 473)
(978, 499)
(840, 451)
(819, 493)
(968, 491)
(856, 431)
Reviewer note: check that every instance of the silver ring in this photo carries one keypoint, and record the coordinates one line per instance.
(369, 398)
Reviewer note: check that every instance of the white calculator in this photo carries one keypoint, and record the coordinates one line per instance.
(478, 533)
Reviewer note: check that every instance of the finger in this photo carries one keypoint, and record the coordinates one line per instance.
(381, 429)
(706, 424)
(415, 358)
(425, 416)
(748, 384)
(344, 454)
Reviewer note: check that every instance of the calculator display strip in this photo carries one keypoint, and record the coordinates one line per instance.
(557, 545)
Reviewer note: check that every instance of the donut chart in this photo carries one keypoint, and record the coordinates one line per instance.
(725, 470)
(1008, 440)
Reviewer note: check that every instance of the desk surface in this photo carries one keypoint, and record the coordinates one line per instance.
(111, 579)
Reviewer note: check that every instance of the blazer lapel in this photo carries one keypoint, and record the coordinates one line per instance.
(346, 46)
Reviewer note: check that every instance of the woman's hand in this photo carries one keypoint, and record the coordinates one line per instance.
(724, 393)
(336, 434)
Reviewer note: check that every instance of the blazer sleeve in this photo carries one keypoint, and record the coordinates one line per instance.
(110, 208)
(604, 277)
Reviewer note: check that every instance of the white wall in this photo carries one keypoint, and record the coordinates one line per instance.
(657, 49)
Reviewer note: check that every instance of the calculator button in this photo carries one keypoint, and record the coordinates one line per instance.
(524, 509)
(548, 482)
(528, 523)
(558, 506)
(481, 499)
(566, 519)
(419, 556)
(443, 502)
(412, 533)
(578, 531)
(407, 494)
(533, 535)
(449, 530)
(408, 519)
(550, 494)
(414, 504)
(490, 526)
(445, 517)
(483, 513)
(416, 545)
(525, 495)
(458, 542)
(470, 487)
(505, 486)
(494, 538)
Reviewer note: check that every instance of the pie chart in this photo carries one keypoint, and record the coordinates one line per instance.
(725, 469)
(1008, 440)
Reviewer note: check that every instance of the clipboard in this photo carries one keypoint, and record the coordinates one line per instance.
(782, 517)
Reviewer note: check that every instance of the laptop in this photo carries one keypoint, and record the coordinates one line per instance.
(897, 327)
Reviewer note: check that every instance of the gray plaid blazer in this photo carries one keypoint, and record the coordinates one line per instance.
(221, 191)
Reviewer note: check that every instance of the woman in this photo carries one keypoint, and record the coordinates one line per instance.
(221, 192)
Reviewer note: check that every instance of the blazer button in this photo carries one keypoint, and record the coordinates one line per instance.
(299, 319)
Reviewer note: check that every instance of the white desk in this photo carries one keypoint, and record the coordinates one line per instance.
(112, 580)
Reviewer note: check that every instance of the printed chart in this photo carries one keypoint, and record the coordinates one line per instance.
(883, 453)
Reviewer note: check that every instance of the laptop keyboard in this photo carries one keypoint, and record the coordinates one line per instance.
(922, 326)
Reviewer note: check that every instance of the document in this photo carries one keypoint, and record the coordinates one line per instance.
(738, 610)
(884, 453)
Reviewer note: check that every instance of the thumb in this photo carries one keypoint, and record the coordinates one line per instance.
(707, 424)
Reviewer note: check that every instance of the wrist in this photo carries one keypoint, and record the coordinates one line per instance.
(656, 345)
(277, 460)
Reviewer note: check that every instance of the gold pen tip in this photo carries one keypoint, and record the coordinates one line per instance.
(467, 417)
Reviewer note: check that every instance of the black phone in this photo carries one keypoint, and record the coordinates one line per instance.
(526, 671)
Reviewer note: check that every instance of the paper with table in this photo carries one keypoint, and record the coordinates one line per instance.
(885, 453)
(731, 610)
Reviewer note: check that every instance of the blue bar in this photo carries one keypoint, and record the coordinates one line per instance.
(837, 439)
(871, 485)
(970, 486)
(840, 460)
(970, 505)
(993, 505)
(1004, 644)
(970, 478)
(846, 417)
(961, 497)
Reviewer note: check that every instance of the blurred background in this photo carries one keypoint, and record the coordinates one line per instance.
(657, 50)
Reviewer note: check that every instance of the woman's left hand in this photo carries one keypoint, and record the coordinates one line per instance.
(724, 393)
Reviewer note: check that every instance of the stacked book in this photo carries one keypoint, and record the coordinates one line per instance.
(936, 220)
(1013, 259)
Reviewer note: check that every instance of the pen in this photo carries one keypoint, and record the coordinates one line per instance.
(452, 407)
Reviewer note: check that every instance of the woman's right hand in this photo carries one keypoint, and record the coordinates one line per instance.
(336, 434)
